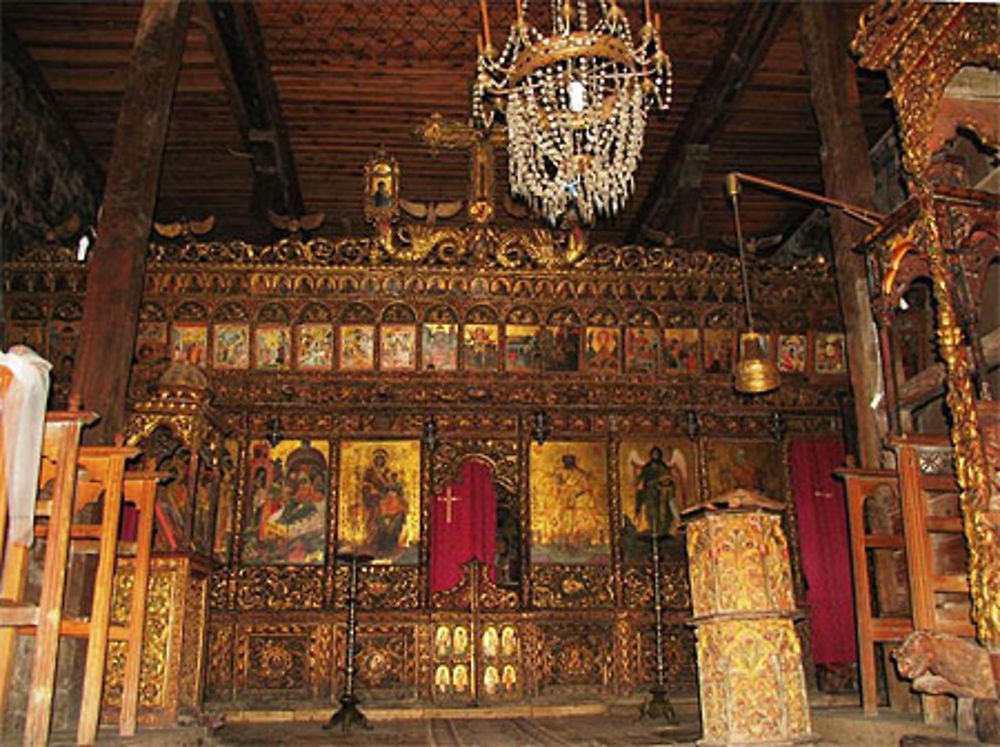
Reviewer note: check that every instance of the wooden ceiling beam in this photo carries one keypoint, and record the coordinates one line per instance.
(241, 56)
(677, 186)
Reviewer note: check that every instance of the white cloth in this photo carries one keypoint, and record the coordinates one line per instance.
(23, 412)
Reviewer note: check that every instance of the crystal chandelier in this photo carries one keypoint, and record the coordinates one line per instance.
(575, 104)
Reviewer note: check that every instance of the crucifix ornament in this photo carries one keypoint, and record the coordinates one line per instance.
(449, 134)
(448, 499)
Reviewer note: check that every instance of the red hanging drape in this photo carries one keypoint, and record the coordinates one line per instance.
(826, 560)
(463, 525)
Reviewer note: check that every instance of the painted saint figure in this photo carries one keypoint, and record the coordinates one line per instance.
(460, 678)
(461, 638)
(579, 505)
(442, 680)
(660, 487)
(442, 642)
(381, 197)
(491, 643)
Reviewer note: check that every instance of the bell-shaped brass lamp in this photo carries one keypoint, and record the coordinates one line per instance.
(755, 371)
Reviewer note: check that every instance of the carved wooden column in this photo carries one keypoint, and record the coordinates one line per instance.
(750, 676)
(117, 265)
(847, 174)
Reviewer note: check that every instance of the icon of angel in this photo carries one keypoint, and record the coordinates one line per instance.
(660, 489)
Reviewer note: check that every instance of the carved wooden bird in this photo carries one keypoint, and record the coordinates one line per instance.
(184, 227)
(755, 244)
(295, 226)
(431, 211)
(65, 230)
(515, 209)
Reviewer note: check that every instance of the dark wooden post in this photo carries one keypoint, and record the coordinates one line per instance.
(847, 175)
(118, 260)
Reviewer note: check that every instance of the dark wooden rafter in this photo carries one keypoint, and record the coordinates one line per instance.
(118, 262)
(240, 53)
(675, 192)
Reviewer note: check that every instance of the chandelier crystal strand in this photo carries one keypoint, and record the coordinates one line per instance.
(575, 104)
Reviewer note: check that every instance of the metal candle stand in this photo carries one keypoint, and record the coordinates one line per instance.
(349, 714)
(659, 705)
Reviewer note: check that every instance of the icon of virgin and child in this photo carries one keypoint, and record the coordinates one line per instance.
(383, 498)
(379, 500)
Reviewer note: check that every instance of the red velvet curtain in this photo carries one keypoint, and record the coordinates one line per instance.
(826, 559)
(463, 525)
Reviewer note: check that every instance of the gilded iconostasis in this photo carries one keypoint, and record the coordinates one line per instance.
(351, 384)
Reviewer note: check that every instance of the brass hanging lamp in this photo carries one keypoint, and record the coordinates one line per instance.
(755, 371)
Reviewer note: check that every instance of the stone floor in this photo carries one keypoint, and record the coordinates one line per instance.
(549, 725)
(553, 725)
(599, 731)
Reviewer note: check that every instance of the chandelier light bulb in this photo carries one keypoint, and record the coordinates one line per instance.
(577, 96)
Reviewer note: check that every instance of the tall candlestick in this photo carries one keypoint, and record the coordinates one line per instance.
(659, 704)
(349, 714)
(485, 13)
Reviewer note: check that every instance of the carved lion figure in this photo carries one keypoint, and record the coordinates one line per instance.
(942, 664)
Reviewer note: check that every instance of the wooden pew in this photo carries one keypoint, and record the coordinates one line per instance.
(60, 449)
(97, 473)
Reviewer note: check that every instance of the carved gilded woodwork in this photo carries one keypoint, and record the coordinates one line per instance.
(499, 455)
(182, 409)
(387, 658)
(490, 596)
(277, 662)
(637, 584)
(192, 660)
(279, 588)
(172, 663)
(978, 502)
(294, 282)
(380, 587)
(219, 662)
(559, 586)
(284, 659)
(626, 656)
(922, 47)
(573, 658)
(394, 397)
(680, 666)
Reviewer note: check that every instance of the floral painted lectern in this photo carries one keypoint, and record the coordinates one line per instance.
(750, 677)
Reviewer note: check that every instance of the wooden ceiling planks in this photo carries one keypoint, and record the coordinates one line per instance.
(771, 132)
(352, 76)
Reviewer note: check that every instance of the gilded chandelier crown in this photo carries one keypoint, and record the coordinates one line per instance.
(575, 104)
